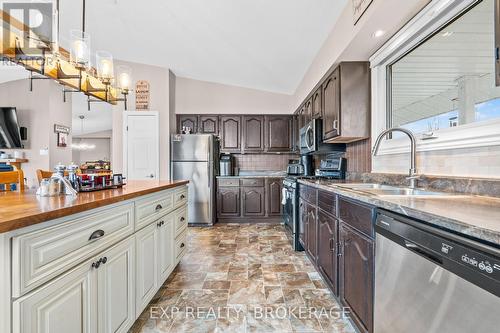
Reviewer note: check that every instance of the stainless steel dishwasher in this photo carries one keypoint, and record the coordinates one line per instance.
(428, 280)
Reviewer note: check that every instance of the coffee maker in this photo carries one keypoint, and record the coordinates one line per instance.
(308, 164)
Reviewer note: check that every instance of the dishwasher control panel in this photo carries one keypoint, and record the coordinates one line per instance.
(440, 245)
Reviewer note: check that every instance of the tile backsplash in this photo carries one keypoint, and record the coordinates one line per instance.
(263, 162)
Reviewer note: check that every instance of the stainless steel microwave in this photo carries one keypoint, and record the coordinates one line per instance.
(311, 139)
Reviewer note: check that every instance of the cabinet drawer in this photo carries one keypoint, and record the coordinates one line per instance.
(180, 197)
(232, 182)
(153, 207)
(357, 215)
(252, 182)
(181, 220)
(327, 201)
(308, 193)
(180, 246)
(44, 254)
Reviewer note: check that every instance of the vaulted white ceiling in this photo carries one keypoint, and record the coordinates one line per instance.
(261, 44)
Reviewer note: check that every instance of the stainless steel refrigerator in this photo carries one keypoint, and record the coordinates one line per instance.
(195, 157)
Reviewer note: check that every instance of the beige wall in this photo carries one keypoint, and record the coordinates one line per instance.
(201, 97)
(39, 110)
(102, 150)
(159, 81)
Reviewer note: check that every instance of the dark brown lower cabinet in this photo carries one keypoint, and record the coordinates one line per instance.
(327, 249)
(228, 202)
(357, 276)
(273, 194)
(311, 232)
(302, 222)
(337, 234)
(253, 201)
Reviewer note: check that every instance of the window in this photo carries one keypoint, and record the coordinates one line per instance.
(448, 80)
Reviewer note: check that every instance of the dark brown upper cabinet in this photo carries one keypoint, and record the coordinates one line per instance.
(331, 106)
(228, 202)
(279, 133)
(308, 111)
(273, 187)
(190, 121)
(208, 125)
(346, 103)
(253, 133)
(253, 201)
(230, 129)
(317, 104)
(301, 116)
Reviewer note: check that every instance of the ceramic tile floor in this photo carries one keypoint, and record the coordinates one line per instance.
(242, 278)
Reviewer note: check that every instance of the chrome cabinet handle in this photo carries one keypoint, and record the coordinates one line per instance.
(96, 234)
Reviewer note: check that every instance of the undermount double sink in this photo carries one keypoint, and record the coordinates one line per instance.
(389, 190)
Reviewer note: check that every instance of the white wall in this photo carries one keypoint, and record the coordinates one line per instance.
(159, 81)
(102, 150)
(39, 110)
(201, 97)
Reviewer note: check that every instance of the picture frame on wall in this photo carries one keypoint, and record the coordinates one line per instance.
(359, 7)
(62, 135)
(62, 139)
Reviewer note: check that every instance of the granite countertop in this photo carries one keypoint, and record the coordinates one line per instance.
(22, 209)
(475, 216)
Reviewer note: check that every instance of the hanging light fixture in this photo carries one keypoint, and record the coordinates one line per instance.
(80, 49)
(104, 64)
(82, 145)
(124, 82)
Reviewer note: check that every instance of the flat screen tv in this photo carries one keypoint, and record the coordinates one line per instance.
(10, 135)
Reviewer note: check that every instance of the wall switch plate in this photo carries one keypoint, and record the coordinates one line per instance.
(44, 152)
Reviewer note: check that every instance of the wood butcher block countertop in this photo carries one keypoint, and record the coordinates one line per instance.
(22, 209)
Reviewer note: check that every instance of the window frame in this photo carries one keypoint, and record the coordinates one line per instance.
(425, 24)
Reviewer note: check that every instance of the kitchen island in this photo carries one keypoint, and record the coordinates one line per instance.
(88, 263)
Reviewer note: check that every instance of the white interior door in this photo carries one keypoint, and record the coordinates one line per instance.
(141, 145)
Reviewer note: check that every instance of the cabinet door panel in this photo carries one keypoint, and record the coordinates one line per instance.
(208, 125)
(228, 202)
(166, 235)
(279, 136)
(230, 128)
(357, 275)
(253, 133)
(317, 104)
(274, 196)
(308, 111)
(311, 232)
(146, 274)
(254, 203)
(64, 305)
(116, 283)
(331, 106)
(190, 121)
(302, 223)
(327, 244)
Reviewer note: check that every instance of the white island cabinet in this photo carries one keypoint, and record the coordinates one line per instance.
(93, 271)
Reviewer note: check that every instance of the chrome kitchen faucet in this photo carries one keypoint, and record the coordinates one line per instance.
(413, 177)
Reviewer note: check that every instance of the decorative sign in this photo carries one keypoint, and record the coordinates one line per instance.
(61, 129)
(142, 95)
(359, 7)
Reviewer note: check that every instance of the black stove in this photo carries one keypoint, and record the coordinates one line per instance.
(291, 217)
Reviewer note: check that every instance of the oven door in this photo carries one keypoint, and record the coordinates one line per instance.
(290, 218)
(308, 139)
